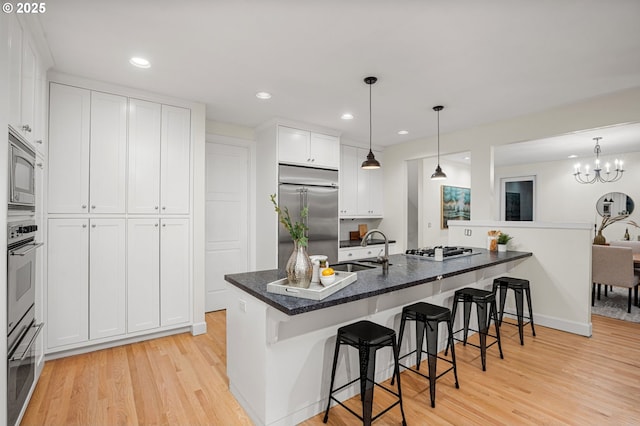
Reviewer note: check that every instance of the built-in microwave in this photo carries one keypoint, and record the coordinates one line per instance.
(22, 174)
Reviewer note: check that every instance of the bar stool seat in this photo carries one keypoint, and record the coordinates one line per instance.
(485, 302)
(427, 318)
(367, 337)
(519, 286)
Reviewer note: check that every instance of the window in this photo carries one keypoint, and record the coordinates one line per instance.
(517, 202)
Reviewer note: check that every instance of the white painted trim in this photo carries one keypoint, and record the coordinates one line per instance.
(199, 328)
(504, 180)
(582, 329)
(299, 125)
(505, 224)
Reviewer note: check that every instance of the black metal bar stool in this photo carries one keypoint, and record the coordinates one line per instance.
(485, 302)
(367, 337)
(428, 317)
(519, 286)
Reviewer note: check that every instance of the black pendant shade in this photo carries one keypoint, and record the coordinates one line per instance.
(370, 162)
(438, 174)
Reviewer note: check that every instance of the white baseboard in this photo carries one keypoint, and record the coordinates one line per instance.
(199, 328)
(582, 329)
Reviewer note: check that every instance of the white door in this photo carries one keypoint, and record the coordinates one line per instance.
(349, 181)
(107, 278)
(108, 158)
(28, 90)
(144, 157)
(226, 223)
(175, 159)
(68, 181)
(175, 283)
(143, 274)
(67, 282)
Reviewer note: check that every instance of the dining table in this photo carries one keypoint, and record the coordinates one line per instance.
(636, 260)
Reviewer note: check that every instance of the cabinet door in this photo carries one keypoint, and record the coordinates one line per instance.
(108, 156)
(349, 181)
(143, 274)
(324, 151)
(144, 157)
(364, 186)
(175, 283)
(15, 63)
(293, 146)
(41, 111)
(69, 122)
(175, 160)
(28, 89)
(67, 282)
(107, 285)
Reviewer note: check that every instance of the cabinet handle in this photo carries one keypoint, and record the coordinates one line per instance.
(26, 128)
(164, 207)
(39, 141)
(40, 165)
(84, 206)
(308, 159)
(350, 254)
(84, 225)
(155, 224)
(93, 225)
(164, 225)
(156, 207)
(93, 207)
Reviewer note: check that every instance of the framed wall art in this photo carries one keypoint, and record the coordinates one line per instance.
(455, 204)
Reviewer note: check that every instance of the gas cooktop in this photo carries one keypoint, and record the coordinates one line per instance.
(447, 252)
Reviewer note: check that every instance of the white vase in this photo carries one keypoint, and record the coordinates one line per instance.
(502, 247)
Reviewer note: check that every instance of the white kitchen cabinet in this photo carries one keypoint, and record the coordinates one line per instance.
(144, 156)
(28, 90)
(67, 282)
(159, 158)
(175, 160)
(306, 148)
(15, 63)
(175, 294)
(361, 190)
(143, 274)
(348, 181)
(69, 132)
(108, 153)
(107, 278)
(356, 253)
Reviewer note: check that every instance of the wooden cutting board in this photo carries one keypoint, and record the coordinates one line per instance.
(363, 230)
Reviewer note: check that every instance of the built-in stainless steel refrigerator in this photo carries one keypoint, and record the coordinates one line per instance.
(317, 189)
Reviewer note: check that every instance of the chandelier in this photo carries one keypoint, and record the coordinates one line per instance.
(598, 174)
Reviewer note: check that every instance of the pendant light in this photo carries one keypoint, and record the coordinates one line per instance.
(370, 162)
(438, 174)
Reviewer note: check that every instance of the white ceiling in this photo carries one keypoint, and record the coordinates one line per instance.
(483, 60)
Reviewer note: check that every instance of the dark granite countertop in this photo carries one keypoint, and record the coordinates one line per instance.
(404, 271)
(356, 243)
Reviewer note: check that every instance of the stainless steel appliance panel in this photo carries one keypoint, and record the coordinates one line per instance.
(21, 175)
(317, 189)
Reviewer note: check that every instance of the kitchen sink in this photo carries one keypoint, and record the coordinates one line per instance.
(373, 261)
(351, 267)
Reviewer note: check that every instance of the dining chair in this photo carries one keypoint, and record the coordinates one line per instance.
(614, 266)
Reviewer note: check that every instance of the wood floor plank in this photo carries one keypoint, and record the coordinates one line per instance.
(556, 378)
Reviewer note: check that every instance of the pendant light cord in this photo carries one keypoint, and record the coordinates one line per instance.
(370, 119)
(438, 137)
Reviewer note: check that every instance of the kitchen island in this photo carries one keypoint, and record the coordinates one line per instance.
(280, 348)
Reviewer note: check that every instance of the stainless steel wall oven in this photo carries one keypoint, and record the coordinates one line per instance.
(22, 330)
(22, 175)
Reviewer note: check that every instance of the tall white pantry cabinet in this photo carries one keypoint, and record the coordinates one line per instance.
(118, 218)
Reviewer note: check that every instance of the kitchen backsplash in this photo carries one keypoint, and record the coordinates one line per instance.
(348, 225)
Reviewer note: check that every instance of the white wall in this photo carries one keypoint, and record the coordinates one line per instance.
(621, 107)
(561, 199)
(430, 212)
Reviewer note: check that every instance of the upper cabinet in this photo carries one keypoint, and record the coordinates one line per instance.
(87, 159)
(361, 190)
(25, 69)
(159, 158)
(306, 148)
(89, 169)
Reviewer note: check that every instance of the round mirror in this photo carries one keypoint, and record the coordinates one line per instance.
(614, 204)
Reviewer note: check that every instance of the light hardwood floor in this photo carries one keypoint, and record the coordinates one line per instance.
(556, 378)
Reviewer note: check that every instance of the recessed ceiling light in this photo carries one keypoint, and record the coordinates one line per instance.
(140, 62)
(347, 116)
(263, 95)
(572, 156)
(467, 158)
(403, 132)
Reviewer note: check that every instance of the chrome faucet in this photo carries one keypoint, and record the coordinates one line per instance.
(384, 260)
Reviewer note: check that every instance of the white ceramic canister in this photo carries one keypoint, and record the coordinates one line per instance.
(315, 260)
